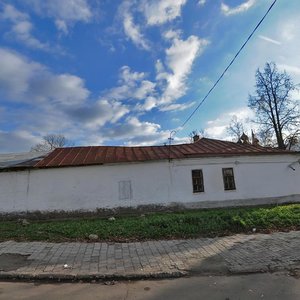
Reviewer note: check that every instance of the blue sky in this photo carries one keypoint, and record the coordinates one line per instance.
(106, 72)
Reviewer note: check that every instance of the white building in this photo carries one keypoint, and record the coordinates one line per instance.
(207, 173)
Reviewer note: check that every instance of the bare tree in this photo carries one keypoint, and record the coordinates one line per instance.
(50, 142)
(266, 139)
(276, 112)
(235, 128)
(293, 140)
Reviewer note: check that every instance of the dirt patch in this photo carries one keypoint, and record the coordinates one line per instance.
(12, 261)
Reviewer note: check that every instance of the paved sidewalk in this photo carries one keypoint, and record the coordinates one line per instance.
(153, 259)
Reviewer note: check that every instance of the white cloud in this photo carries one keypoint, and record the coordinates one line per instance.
(295, 95)
(177, 106)
(158, 12)
(25, 80)
(64, 12)
(133, 31)
(16, 141)
(170, 82)
(171, 77)
(132, 86)
(127, 76)
(138, 133)
(289, 68)
(22, 27)
(267, 39)
(149, 103)
(172, 34)
(52, 102)
(217, 128)
(201, 2)
(65, 89)
(289, 29)
(146, 88)
(62, 26)
(228, 11)
(16, 73)
(60, 103)
(179, 60)
(98, 114)
(11, 13)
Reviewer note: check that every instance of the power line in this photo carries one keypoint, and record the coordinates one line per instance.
(226, 69)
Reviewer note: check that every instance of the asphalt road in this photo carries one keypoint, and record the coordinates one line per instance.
(258, 286)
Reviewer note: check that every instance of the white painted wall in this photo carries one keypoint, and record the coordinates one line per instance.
(92, 187)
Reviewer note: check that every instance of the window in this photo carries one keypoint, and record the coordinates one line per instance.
(228, 178)
(125, 191)
(198, 185)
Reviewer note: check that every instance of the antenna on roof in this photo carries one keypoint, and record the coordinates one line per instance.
(170, 142)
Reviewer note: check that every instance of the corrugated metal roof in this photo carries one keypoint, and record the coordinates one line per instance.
(93, 155)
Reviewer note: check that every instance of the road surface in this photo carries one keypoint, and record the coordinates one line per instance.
(256, 286)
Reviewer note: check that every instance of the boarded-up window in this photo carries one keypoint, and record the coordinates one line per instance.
(125, 192)
(198, 184)
(228, 178)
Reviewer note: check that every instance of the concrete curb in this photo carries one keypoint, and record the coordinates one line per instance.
(7, 276)
(93, 278)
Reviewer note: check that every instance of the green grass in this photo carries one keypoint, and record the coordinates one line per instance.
(189, 224)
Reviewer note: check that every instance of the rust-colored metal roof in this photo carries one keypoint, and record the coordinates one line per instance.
(96, 155)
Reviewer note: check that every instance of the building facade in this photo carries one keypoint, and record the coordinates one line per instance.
(208, 173)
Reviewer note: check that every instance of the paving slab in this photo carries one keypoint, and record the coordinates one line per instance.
(237, 254)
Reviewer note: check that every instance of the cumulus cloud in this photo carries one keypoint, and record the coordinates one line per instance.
(22, 79)
(179, 60)
(132, 86)
(149, 103)
(52, 102)
(171, 77)
(132, 30)
(172, 34)
(16, 73)
(21, 27)
(16, 141)
(137, 132)
(65, 13)
(62, 26)
(158, 12)
(170, 83)
(60, 103)
(99, 113)
(229, 11)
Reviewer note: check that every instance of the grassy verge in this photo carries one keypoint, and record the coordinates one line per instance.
(189, 224)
